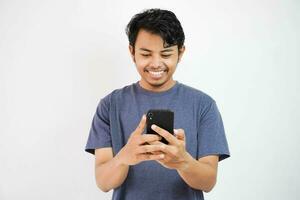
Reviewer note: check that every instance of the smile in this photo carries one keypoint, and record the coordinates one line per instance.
(156, 74)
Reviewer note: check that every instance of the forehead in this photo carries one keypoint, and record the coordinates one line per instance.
(150, 41)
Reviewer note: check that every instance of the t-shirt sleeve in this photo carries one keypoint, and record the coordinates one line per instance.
(99, 135)
(211, 137)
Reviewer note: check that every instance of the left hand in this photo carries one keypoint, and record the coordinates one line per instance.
(176, 156)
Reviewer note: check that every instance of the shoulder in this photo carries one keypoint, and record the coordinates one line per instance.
(201, 101)
(116, 94)
(196, 94)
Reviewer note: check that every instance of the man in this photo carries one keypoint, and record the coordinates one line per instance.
(137, 165)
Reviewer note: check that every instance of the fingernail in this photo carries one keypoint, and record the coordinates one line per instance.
(175, 131)
(153, 126)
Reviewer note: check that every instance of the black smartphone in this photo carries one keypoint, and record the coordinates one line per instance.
(162, 118)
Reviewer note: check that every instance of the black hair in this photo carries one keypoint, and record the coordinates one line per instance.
(161, 22)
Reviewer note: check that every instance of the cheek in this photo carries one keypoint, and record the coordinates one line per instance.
(141, 63)
(140, 67)
(171, 64)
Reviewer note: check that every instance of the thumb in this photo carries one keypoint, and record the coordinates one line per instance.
(140, 129)
(179, 133)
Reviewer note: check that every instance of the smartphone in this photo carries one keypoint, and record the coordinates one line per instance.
(162, 118)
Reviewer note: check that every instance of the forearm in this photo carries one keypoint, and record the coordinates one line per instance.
(198, 175)
(111, 174)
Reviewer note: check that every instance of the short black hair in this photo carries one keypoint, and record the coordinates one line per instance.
(157, 21)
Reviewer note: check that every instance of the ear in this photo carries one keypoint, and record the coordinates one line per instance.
(131, 50)
(180, 53)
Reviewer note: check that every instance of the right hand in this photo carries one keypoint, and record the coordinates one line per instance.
(138, 147)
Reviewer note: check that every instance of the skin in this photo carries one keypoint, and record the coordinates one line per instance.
(149, 54)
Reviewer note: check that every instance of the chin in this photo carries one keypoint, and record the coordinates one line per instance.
(157, 83)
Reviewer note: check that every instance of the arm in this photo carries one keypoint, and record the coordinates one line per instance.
(200, 174)
(109, 171)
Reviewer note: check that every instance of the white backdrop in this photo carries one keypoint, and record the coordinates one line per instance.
(59, 57)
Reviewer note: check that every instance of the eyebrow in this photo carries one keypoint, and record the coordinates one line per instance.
(165, 50)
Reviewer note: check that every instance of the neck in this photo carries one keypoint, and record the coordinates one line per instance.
(157, 88)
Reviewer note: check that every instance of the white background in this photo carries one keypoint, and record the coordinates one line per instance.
(59, 57)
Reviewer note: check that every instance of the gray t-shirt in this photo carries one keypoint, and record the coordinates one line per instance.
(118, 115)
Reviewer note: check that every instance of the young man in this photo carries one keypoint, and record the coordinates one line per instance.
(137, 165)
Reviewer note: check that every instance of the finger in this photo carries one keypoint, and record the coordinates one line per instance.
(169, 150)
(139, 130)
(156, 152)
(144, 157)
(149, 148)
(166, 159)
(156, 142)
(168, 136)
(147, 138)
(179, 133)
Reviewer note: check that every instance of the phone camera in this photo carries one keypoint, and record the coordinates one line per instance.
(150, 115)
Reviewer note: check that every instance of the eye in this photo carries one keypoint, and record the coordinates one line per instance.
(145, 55)
(166, 55)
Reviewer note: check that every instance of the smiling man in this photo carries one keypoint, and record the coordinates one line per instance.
(137, 165)
(155, 63)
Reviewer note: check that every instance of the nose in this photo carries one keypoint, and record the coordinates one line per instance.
(156, 62)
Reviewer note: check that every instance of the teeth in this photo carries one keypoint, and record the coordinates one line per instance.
(156, 73)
